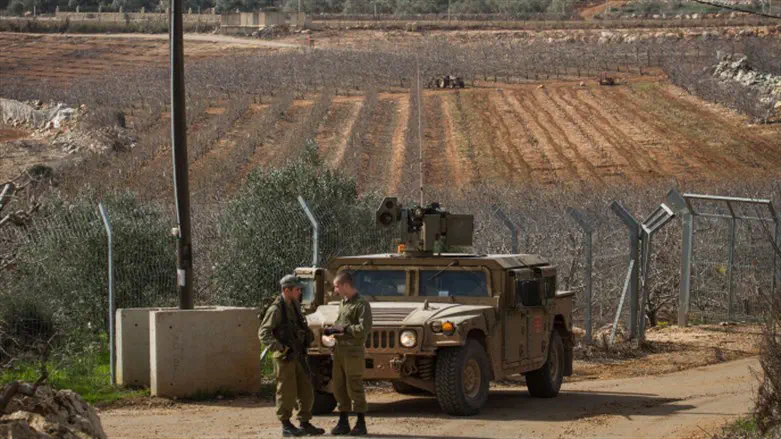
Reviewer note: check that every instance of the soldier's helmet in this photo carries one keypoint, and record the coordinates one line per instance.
(291, 281)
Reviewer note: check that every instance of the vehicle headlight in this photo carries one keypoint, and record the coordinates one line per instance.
(328, 341)
(408, 338)
(447, 327)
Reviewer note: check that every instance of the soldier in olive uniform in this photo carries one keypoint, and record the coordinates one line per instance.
(351, 328)
(285, 332)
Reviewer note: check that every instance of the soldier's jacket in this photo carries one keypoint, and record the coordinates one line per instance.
(285, 325)
(356, 316)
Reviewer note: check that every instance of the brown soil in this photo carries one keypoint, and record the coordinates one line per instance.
(669, 349)
(590, 12)
(398, 145)
(66, 58)
(332, 137)
(687, 387)
(644, 129)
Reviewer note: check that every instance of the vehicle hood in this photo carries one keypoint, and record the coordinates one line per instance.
(406, 314)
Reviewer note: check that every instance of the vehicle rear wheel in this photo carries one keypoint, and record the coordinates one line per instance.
(545, 382)
(405, 389)
(325, 403)
(462, 378)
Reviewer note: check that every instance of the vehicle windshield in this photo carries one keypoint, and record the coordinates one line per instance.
(453, 283)
(381, 282)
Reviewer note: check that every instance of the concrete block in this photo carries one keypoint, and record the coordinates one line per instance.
(204, 351)
(132, 346)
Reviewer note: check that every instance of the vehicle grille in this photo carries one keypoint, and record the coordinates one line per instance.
(387, 315)
(381, 339)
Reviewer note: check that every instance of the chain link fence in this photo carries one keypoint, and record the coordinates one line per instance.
(55, 280)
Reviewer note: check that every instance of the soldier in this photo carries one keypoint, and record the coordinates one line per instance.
(351, 328)
(285, 332)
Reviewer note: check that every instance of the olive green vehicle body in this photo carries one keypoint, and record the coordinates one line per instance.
(513, 316)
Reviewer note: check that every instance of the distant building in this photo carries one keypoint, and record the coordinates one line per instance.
(243, 21)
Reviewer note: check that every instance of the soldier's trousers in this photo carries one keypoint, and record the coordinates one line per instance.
(347, 376)
(293, 383)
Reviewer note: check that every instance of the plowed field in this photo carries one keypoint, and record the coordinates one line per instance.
(66, 59)
(563, 133)
(549, 133)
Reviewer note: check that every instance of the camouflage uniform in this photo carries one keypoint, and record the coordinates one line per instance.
(284, 326)
(355, 315)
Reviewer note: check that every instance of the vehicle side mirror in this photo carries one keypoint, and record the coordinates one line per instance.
(314, 291)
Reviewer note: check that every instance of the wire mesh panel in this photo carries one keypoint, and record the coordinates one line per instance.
(733, 264)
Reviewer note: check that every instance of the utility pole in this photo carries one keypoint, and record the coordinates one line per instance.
(184, 274)
(420, 131)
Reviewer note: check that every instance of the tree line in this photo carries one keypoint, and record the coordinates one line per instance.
(516, 8)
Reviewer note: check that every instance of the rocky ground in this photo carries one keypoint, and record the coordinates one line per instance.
(736, 68)
(50, 135)
(29, 411)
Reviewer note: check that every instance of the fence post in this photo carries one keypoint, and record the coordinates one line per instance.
(730, 268)
(509, 224)
(107, 224)
(315, 229)
(634, 255)
(629, 273)
(655, 221)
(776, 269)
(687, 220)
(580, 218)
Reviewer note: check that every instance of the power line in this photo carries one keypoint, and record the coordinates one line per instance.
(733, 8)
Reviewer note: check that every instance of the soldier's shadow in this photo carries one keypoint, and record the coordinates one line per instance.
(518, 405)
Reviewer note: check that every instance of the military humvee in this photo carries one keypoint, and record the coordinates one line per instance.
(446, 323)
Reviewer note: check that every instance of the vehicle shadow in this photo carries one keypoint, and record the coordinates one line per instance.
(515, 405)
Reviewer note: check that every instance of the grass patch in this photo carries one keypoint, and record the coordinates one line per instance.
(644, 86)
(746, 425)
(88, 375)
(744, 428)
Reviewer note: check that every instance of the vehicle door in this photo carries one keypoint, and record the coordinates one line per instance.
(516, 315)
(536, 297)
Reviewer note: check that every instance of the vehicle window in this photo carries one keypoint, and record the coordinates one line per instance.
(453, 283)
(381, 282)
(528, 292)
(308, 292)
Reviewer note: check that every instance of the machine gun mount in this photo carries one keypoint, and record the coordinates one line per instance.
(424, 230)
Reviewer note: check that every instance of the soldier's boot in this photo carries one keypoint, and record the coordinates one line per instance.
(343, 426)
(311, 430)
(290, 430)
(360, 426)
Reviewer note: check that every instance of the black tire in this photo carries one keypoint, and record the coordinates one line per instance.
(545, 382)
(325, 403)
(405, 389)
(462, 378)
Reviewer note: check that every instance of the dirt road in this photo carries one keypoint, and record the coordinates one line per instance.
(681, 404)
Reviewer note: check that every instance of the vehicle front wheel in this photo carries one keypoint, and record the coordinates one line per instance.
(545, 382)
(325, 403)
(462, 378)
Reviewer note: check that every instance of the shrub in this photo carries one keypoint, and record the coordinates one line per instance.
(250, 264)
(60, 278)
(16, 8)
(767, 410)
